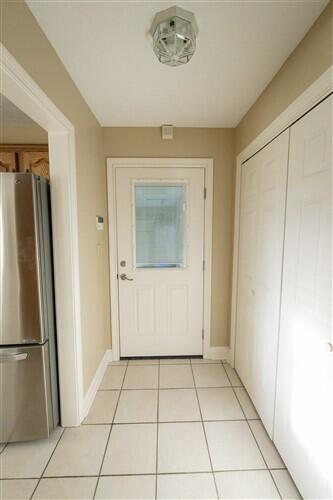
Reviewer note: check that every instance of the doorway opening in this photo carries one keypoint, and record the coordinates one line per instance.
(160, 212)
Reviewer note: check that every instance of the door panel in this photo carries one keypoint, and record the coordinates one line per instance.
(303, 421)
(263, 191)
(160, 228)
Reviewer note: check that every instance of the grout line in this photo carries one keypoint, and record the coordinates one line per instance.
(108, 439)
(171, 421)
(138, 474)
(269, 470)
(173, 388)
(264, 459)
(204, 431)
(47, 463)
(261, 453)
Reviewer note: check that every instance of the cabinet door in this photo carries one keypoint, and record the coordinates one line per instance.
(7, 161)
(303, 420)
(263, 193)
(35, 162)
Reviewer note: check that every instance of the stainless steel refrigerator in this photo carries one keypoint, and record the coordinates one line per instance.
(29, 406)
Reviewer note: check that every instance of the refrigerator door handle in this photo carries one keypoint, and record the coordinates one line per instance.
(15, 356)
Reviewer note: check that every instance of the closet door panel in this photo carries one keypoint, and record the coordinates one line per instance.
(246, 272)
(260, 270)
(303, 420)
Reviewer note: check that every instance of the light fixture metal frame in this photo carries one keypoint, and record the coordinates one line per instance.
(174, 12)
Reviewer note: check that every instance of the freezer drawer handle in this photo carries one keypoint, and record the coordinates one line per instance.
(15, 356)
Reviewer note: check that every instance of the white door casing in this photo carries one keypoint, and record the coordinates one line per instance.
(22, 90)
(303, 420)
(263, 192)
(172, 164)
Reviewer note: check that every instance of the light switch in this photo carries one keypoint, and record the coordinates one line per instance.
(99, 223)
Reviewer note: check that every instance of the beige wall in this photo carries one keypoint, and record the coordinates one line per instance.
(306, 63)
(24, 39)
(23, 134)
(205, 143)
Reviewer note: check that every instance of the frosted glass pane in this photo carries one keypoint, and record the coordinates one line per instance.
(159, 225)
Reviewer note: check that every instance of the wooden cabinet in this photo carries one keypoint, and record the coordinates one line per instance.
(32, 158)
(36, 162)
(8, 161)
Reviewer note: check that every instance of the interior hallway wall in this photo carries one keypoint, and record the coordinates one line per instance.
(22, 134)
(195, 143)
(22, 36)
(306, 63)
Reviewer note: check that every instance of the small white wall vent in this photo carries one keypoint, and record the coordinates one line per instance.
(167, 132)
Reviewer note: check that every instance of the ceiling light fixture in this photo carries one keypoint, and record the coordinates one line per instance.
(174, 33)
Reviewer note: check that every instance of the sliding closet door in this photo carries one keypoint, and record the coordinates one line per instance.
(304, 419)
(263, 192)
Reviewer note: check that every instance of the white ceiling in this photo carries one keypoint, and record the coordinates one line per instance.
(107, 49)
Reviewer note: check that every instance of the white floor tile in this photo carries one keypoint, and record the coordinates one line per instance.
(173, 376)
(178, 405)
(131, 450)
(79, 452)
(285, 484)
(18, 489)
(113, 377)
(246, 485)
(219, 403)
(175, 361)
(126, 488)
(28, 460)
(246, 403)
(210, 375)
(103, 408)
(233, 377)
(141, 377)
(270, 453)
(182, 448)
(137, 406)
(186, 486)
(144, 361)
(66, 488)
(200, 361)
(232, 446)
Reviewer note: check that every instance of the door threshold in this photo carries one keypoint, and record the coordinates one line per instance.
(126, 358)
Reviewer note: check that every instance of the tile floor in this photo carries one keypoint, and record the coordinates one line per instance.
(168, 429)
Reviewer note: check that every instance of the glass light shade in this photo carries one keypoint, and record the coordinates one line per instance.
(174, 37)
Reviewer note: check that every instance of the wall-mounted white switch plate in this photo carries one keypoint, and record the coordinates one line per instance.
(99, 223)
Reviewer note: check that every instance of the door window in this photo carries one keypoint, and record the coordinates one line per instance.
(160, 223)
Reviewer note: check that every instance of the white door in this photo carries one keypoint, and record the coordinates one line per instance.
(263, 193)
(160, 238)
(304, 419)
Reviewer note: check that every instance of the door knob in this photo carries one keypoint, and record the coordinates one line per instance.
(123, 276)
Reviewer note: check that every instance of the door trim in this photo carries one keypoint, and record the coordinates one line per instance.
(208, 166)
(315, 93)
(23, 91)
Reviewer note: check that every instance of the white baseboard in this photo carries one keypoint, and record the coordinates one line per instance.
(222, 353)
(95, 383)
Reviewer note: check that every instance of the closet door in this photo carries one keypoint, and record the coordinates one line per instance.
(263, 192)
(304, 419)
